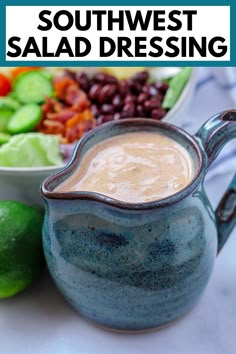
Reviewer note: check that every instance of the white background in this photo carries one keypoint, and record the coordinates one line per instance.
(22, 21)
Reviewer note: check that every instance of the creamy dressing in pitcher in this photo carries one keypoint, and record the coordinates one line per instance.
(133, 167)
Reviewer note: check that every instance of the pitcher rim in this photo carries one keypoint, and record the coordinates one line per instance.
(101, 198)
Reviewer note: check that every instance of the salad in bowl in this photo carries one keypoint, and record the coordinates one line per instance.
(45, 111)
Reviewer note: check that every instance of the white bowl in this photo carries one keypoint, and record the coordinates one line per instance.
(23, 184)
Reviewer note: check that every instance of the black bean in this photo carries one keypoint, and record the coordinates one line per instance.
(146, 88)
(153, 90)
(161, 86)
(112, 99)
(129, 98)
(128, 110)
(123, 88)
(150, 104)
(135, 87)
(83, 81)
(104, 118)
(107, 108)
(116, 116)
(140, 111)
(142, 77)
(158, 113)
(117, 102)
(95, 110)
(95, 91)
(105, 78)
(159, 97)
(107, 93)
(143, 96)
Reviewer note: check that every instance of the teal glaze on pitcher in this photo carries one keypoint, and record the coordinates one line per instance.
(138, 266)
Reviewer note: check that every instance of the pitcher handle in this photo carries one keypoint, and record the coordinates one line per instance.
(212, 136)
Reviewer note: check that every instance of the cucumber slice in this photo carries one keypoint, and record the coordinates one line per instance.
(12, 95)
(5, 116)
(25, 119)
(4, 138)
(9, 102)
(32, 87)
(46, 74)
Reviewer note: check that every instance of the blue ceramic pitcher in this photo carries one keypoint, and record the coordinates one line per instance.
(132, 267)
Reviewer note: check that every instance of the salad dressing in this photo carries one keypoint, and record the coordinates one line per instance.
(134, 167)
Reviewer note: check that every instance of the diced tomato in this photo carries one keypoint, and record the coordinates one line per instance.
(5, 85)
(17, 71)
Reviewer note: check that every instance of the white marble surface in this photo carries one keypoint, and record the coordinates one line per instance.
(39, 321)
